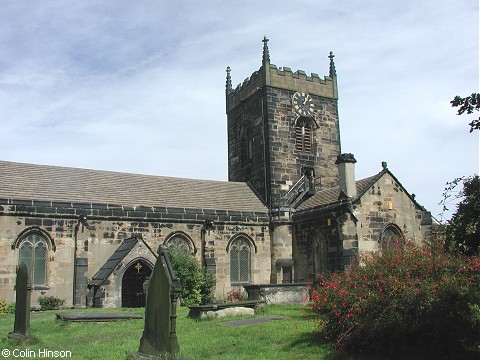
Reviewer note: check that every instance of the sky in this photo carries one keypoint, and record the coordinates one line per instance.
(139, 86)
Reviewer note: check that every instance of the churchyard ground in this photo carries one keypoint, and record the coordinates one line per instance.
(289, 338)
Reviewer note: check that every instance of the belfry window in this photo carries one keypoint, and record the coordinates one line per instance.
(303, 135)
(239, 262)
(33, 252)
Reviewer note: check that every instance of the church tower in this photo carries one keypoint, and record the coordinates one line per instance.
(283, 132)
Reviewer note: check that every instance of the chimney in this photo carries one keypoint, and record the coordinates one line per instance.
(346, 174)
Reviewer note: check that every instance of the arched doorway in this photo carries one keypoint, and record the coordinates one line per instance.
(133, 292)
(318, 257)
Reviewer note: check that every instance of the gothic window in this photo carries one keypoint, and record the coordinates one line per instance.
(240, 261)
(303, 135)
(391, 237)
(179, 243)
(33, 252)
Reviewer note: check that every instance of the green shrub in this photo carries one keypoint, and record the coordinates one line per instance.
(11, 308)
(408, 299)
(197, 284)
(50, 302)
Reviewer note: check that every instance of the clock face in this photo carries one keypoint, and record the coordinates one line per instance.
(303, 104)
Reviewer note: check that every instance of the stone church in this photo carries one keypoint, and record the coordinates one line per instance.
(291, 210)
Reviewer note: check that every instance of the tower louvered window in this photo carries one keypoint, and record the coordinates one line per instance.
(239, 262)
(33, 252)
(303, 135)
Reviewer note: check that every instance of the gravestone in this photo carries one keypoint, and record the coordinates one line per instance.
(159, 335)
(21, 328)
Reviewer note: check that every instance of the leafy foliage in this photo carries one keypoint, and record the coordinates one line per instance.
(463, 229)
(401, 300)
(468, 105)
(197, 284)
(50, 302)
(3, 306)
(11, 308)
(6, 308)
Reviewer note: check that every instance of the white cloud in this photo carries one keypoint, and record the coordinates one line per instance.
(139, 86)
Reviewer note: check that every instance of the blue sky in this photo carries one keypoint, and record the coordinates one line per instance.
(138, 86)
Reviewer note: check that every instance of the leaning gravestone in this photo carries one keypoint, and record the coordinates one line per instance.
(21, 328)
(159, 335)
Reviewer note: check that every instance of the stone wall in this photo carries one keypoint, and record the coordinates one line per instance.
(279, 294)
(109, 225)
(351, 229)
(286, 162)
(317, 225)
(260, 112)
(387, 203)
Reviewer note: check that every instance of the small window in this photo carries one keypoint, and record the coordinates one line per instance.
(239, 261)
(246, 145)
(33, 252)
(303, 135)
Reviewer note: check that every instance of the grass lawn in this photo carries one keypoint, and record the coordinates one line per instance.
(290, 338)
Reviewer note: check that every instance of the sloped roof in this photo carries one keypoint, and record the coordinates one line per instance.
(331, 196)
(54, 183)
(119, 254)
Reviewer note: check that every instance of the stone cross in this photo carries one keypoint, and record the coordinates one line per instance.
(21, 328)
(159, 334)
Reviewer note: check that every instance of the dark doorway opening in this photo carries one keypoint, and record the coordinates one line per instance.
(133, 292)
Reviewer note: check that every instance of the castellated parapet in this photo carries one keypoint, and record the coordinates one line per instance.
(299, 81)
(283, 78)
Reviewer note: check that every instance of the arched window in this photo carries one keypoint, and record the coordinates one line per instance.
(303, 135)
(391, 237)
(179, 242)
(33, 252)
(240, 261)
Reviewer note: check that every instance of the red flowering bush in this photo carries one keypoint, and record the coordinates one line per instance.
(408, 299)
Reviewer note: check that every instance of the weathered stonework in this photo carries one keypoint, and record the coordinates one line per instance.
(261, 114)
(387, 203)
(299, 214)
(109, 225)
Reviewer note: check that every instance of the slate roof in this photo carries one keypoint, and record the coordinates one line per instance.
(331, 196)
(119, 254)
(54, 183)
